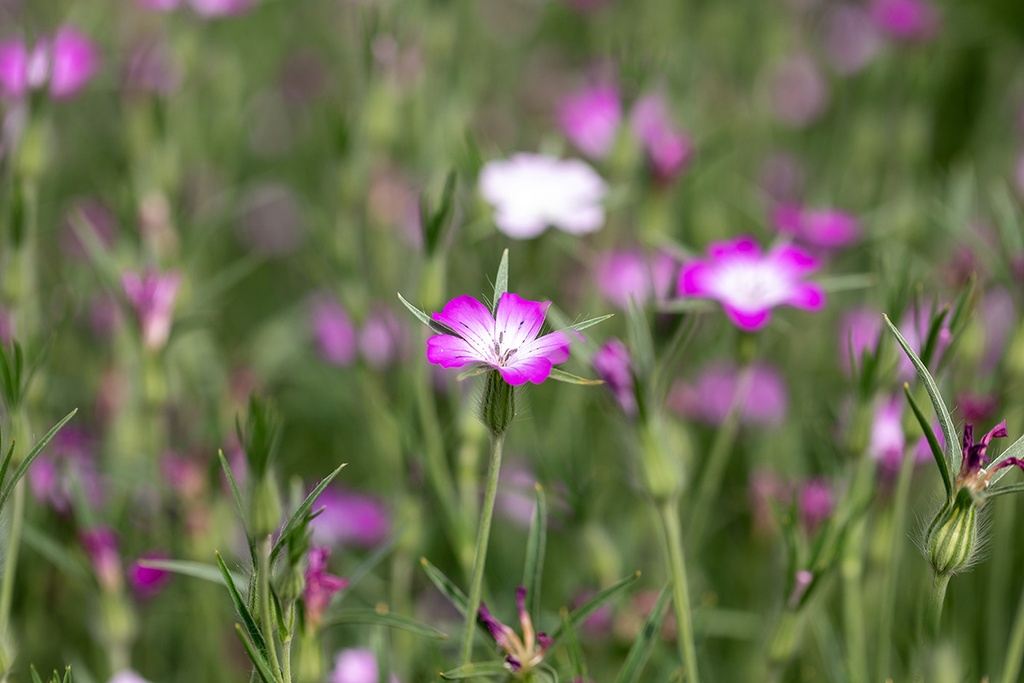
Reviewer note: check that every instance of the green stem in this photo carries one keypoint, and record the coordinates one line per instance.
(897, 541)
(11, 558)
(480, 554)
(937, 598)
(266, 613)
(286, 645)
(1015, 649)
(852, 572)
(673, 548)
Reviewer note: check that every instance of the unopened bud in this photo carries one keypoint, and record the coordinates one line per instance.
(265, 507)
(953, 536)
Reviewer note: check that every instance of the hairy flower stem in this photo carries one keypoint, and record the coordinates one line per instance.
(897, 540)
(482, 537)
(668, 513)
(269, 624)
(937, 597)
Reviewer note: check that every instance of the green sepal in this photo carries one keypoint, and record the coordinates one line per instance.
(500, 282)
(243, 611)
(195, 570)
(257, 657)
(476, 670)
(435, 326)
(640, 650)
(382, 617)
(933, 444)
(569, 378)
(7, 487)
(593, 604)
(300, 518)
(446, 586)
(533, 566)
(954, 454)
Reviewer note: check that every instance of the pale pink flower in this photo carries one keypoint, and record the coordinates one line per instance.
(669, 149)
(127, 676)
(798, 91)
(614, 365)
(63, 64)
(320, 586)
(749, 284)
(333, 331)
(887, 439)
(815, 500)
(711, 396)
(349, 518)
(531, 192)
(591, 118)
(357, 665)
(850, 38)
(859, 329)
(152, 295)
(506, 341)
(383, 338)
(100, 544)
(631, 275)
(825, 228)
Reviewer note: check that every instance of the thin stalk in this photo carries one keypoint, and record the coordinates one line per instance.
(286, 646)
(852, 573)
(897, 543)
(1015, 648)
(11, 556)
(673, 547)
(266, 613)
(480, 554)
(936, 600)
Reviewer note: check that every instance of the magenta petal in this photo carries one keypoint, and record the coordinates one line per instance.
(794, 259)
(75, 60)
(693, 278)
(747, 320)
(554, 347)
(13, 65)
(471, 320)
(518, 320)
(535, 369)
(808, 296)
(743, 246)
(451, 352)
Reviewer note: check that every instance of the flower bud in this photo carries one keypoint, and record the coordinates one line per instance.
(499, 404)
(265, 507)
(953, 536)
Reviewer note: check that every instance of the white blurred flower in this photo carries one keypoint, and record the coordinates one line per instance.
(530, 192)
(127, 676)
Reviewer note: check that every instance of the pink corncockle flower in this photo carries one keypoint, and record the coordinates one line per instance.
(815, 501)
(798, 91)
(383, 338)
(530, 192)
(320, 586)
(152, 295)
(824, 228)
(333, 331)
(204, 8)
(591, 118)
(973, 474)
(710, 398)
(749, 284)
(614, 365)
(669, 149)
(357, 665)
(887, 439)
(859, 329)
(521, 654)
(627, 275)
(506, 341)
(977, 407)
(349, 518)
(63, 64)
(850, 38)
(909, 20)
(100, 544)
(147, 582)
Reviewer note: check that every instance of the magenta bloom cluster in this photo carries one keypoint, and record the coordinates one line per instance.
(749, 284)
(506, 341)
(62, 64)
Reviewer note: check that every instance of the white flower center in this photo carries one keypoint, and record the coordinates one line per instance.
(750, 285)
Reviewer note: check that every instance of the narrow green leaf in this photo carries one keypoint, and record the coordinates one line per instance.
(8, 487)
(472, 372)
(932, 340)
(536, 542)
(1014, 450)
(299, 516)
(426, 319)
(577, 662)
(1002, 490)
(641, 649)
(500, 282)
(233, 485)
(382, 617)
(445, 585)
(256, 656)
(6, 463)
(197, 570)
(57, 553)
(594, 603)
(590, 322)
(933, 444)
(843, 283)
(641, 343)
(35, 675)
(953, 452)
(477, 670)
(569, 378)
(243, 608)
(962, 307)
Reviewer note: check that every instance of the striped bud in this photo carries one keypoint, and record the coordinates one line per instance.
(953, 535)
(499, 404)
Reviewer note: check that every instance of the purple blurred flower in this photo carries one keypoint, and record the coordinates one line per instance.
(64, 64)
(506, 341)
(909, 20)
(69, 463)
(748, 284)
(521, 654)
(530, 192)
(320, 586)
(816, 500)
(781, 177)
(974, 474)
(825, 228)
(977, 407)
(998, 319)
(270, 219)
(850, 38)
(147, 582)
(100, 544)
(798, 91)
(859, 329)
(922, 451)
(383, 339)
(151, 68)
(669, 149)
(614, 365)
(357, 665)
(591, 118)
(90, 215)
(887, 439)
(632, 275)
(914, 326)
(333, 331)
(349, 518)
(710, 398)
(152, 295)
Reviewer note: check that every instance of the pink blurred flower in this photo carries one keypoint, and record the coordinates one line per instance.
(628, 275)
(614, 365)
(781, 177)
(887, 439)
(127, 676)
(669, 149)
(147, 582)
(333, 331)
(63, 64)
(357, 665)
(749, 284)
(815, 500)
(850, 38)
(530, 192)
(909, 20)
(999, 316)
(859, 329)
(825, 228)
(66, 467)
(591, 118)
(320, 586)
(798, 91)
(914, 326)
(383, 338)
(349, 518)
(100, 544)
(270, 221)
(152, 295)
(711, 396)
